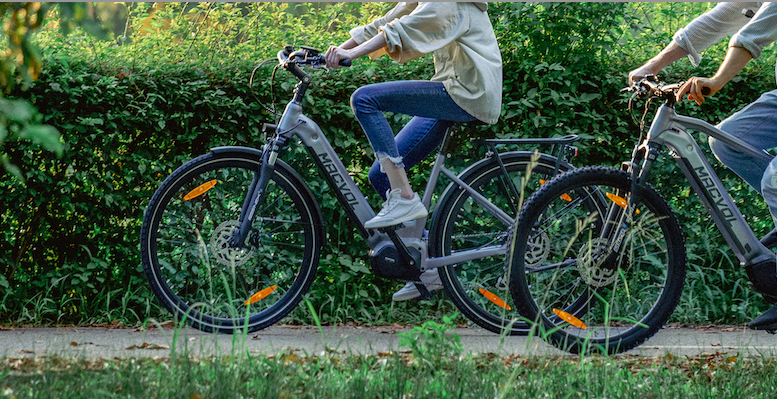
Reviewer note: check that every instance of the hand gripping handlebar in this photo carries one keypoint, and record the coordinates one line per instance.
(306, 56)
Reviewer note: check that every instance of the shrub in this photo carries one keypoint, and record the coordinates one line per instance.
(179, 82)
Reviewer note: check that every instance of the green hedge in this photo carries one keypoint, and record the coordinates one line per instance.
(129, 114)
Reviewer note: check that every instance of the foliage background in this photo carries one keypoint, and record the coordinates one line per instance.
(174, 80)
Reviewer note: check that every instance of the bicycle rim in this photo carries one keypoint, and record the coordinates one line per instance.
(190, 265)
(583, 295)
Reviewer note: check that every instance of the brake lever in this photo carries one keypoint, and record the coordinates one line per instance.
(320, 66)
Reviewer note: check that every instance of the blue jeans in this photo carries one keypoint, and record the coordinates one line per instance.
(756, 124)
(433, 111)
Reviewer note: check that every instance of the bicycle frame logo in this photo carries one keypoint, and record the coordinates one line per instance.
(337, 179)
(716, 198)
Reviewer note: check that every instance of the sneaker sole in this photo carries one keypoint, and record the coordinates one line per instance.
(383, 223)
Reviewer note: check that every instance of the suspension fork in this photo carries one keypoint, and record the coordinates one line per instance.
(616, 222)
(255, 195)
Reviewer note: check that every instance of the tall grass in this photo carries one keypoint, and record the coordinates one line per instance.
(429, 363)
(390, 375)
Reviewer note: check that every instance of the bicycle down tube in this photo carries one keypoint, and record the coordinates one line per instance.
(671, 130)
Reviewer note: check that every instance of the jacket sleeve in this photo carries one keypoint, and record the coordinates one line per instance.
(412, 30)
(711, 27)
(361, 34)
(759, 32)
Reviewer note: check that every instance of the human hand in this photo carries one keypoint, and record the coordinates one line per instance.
(642, 72)
(334, 54)
(698, 89)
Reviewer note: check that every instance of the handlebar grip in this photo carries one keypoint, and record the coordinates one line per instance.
(705, 91)
(345, 62)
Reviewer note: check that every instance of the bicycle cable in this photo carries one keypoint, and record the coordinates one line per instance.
(271, 110)
(641, 124)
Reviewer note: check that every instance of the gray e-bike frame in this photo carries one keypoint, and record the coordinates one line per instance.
(671, 130)
(294, 123)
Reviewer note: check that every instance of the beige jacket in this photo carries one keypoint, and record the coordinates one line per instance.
(466, 54)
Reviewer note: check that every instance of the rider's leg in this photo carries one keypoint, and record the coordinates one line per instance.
(755, 124)
(415, 142)
(769, 186)
(768, 320)
(433, 110)
(396, 176)
(419, 98)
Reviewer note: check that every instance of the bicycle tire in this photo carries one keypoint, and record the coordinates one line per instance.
(191, 268)
(628, 299)
(460, 223)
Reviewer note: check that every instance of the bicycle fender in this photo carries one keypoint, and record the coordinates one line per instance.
(237, 148)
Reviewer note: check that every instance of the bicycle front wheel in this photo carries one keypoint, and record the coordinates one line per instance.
(597, 278)
(185, 247)
(479, 288)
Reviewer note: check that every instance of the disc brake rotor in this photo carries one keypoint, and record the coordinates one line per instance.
(590, 263)
(222, 252)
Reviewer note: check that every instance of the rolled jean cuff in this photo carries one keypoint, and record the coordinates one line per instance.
(383, 156)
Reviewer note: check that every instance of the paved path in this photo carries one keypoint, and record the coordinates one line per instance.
(124, 343)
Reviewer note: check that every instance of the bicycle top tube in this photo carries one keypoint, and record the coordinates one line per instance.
(666, 115)
(690, 123)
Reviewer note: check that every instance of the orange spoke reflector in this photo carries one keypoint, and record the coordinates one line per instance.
(199, 190)
(564, 196)
(620, 201)
(495, 299)
(569, 318)
(260, 295)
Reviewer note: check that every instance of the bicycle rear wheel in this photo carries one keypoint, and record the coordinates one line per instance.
(479, 288)
(187, 259)
(605, 283)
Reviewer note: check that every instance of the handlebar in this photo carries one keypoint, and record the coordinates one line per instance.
(306, 56)
(291, 60)
(651, 85)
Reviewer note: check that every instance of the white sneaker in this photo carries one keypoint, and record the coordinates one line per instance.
(431, 280)
(397, 210)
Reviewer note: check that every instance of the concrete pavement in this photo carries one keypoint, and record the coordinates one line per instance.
(125, 343)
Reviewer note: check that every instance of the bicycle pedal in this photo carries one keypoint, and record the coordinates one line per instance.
(423, 298)
(387, 229)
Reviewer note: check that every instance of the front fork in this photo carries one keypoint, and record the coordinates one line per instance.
(623, 205)
(255, 195)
